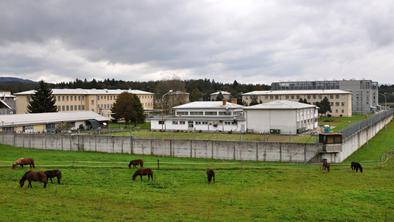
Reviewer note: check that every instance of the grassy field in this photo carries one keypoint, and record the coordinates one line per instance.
(97, 187)
(339, 123)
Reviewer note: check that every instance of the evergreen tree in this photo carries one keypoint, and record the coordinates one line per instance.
(219, 97)
(195, 95)
(128, 107)
(42, 100)
(324, 106)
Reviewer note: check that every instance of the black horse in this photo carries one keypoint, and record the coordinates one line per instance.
(325, 166)
(54, 173)
(210, 175)
(356, 166)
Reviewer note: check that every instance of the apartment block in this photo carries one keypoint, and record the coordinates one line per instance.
(340, 100)
(365, 92)
(97, 100)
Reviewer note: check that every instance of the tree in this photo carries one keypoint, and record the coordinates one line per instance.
(195, 95)
(128, 107)
(254, 101)
(324, 106)
(303, 101)
(219, 97)
(42, 101)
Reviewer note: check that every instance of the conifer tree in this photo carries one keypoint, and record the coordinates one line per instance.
(42, 101)
(128, 107)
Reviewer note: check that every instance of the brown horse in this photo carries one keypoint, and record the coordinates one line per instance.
(143, 172)
(325, 166)
(34, 176)
(210, 175)
(135, 163)
(23, 161)
(54, 173)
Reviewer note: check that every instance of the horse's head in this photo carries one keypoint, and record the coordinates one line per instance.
(22, 182)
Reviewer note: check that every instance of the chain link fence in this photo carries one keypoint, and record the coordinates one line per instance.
(372, 120)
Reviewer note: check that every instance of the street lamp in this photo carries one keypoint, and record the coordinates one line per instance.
(385, 100)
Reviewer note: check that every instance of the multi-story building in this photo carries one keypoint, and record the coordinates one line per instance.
(365, 92)
(226, 95)
(7, 103)
(340, 100)
(96, 100)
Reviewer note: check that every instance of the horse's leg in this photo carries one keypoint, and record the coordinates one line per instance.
(141, 177)
(51, 179)
(214, 179)
(58, 179)
(45, 184)
(30, 184)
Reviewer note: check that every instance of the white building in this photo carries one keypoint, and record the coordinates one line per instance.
(219, 116)
(51, 122)
(281, 117)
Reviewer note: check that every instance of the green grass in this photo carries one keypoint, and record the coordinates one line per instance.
(97, 187)
(339, 123)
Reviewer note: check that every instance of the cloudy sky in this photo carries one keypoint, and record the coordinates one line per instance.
(250, 41)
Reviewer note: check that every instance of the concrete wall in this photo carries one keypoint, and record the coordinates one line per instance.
(354, 142)
(226, 150)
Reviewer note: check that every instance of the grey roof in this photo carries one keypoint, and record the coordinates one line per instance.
(208, 105)
(280, 104)
(298, 92)
(42, 118)
(223, 93)
(89, 92)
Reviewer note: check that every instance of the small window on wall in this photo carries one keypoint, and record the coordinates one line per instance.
(161, 122)
(174, 122)
(182, 123)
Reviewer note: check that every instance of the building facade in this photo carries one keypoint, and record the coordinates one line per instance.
(226, 95)
(365, 92)
(340, 100)
(7, 103)
(96, 100)
(214, 116)
(281, 117)
(51, 122)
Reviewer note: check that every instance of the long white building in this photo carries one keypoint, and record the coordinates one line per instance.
(281, 117)
(216, 116)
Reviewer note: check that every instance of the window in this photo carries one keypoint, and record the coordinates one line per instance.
(331, 96)
(174, 122)
(71, 107)
(196, 113)
(204, 123)
(337, 96)
(343, 111)
(182, 113)
(337, 103)
(67, 108)
(224, 113)
(161, 122)
(198, 123)
(342, 103)
(92, 102)
(63, 108)
(181, 122)
(211, 113)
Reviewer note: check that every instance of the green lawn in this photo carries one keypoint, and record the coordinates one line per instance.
(97, 187)
(339, 123)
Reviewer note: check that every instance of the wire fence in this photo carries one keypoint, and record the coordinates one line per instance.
(372, 120)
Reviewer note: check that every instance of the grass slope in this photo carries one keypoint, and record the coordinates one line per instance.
(97, 187)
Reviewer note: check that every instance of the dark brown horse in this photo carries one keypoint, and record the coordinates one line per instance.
(136, 163)
(54, 173)
(356, 166)
(210, 175)
(325, 166)
(143, 172)
(23, 161)
(34, 176)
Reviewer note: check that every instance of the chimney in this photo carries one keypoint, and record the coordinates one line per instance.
(234, 100)
(224, 102)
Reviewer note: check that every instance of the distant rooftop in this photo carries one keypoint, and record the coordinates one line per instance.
(223, 93)
(89, 91)
(37, 118)
(208, 105)
(298, 92)
(281, 104)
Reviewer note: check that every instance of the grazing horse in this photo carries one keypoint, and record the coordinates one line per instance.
(135, 163)
(210, 175)
(143, 172)
(356, 166)
(23, 161)
(34, 176)
(325, 166)
(54, 173)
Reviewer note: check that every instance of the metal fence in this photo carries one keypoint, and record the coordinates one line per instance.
(372, 120)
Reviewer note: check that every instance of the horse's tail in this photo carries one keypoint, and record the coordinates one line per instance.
(32, 163)
(142, 163)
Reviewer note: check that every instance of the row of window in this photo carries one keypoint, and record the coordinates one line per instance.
(99, 97)
(70, 98)
(175, 122)
(70, 107)
(271, 97)
(200, 113)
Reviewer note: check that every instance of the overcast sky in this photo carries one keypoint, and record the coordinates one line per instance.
(250, 41)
